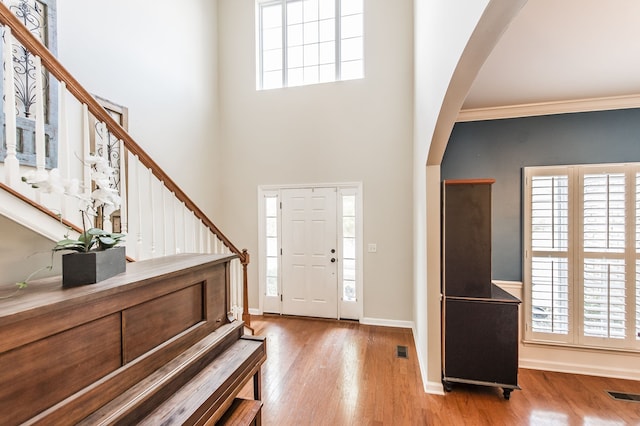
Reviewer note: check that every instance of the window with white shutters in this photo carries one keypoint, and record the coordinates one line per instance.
(582, 255)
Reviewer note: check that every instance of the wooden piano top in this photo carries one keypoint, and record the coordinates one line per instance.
(67, 353)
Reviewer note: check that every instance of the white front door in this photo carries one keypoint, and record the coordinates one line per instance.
(309, 258)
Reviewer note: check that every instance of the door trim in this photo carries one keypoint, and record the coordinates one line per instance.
(347, 310)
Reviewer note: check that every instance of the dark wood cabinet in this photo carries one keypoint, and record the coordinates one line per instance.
(479, 319)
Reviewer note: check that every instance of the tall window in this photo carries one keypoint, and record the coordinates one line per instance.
(582, 255)
(308, 41)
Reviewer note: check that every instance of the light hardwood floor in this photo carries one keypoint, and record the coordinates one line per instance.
(322, 372)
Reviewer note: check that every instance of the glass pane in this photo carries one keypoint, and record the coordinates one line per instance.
(272, 39)
(349, 7)
(311, 75)
(327, 9)
(295, 57)
(549, 212)
(349, 205)
(328, 53)
(349, 269)
(271, 16)
(272, 286)
(351, 26)
(272, 266)
(352, 70)
(604, 298)
(327, 30)
(351, 49)
(311, 34)
(349, 227)
(310, 10)
(310, 56)
(549, 295)
(349, 290)
(349, 248)
(272, 79)
(327, 73)
(295, 77)
(271, 206)
(272, 246)
(294, 35)
(294, 12)
(272, 60)
(272, 227)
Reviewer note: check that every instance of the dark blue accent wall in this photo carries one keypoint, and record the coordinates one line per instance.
(499, 149)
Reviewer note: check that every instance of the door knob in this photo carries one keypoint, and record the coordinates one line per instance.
(333, 259)
(333, 250)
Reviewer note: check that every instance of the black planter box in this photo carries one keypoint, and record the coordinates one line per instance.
(93, 266)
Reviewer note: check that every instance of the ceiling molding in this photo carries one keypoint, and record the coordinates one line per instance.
(549, 108)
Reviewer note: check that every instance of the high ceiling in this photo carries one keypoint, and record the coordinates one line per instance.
(557, 50)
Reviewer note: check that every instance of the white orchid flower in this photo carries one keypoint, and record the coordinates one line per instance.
(35, 177)
(72, 187)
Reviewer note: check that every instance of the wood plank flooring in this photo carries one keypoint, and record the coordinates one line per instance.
(322, 372)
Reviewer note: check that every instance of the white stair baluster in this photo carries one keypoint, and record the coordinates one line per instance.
(39, 113)
(86, 150)
(165, 233)
(64, 150)
(124, 213)
(106, 218)
(152, 214)
(11, 163)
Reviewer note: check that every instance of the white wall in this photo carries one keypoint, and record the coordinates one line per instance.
(348, 131)
(158, 58)
(23, 252)
(452, 40)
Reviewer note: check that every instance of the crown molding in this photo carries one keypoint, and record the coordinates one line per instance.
(549, 108)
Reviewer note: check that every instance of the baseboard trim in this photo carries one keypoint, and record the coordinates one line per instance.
(434, 388)
(387, 322)
(255, 311)
(571, 368)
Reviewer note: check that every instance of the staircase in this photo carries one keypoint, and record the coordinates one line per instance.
(157, 216)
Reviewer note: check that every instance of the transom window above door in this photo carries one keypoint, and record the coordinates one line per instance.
(302, 42)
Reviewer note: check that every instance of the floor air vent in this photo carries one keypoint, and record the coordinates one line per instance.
(402, 352)
(621, 396)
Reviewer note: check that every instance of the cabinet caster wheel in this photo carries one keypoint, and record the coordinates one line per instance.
(447, 386)
(506, 393)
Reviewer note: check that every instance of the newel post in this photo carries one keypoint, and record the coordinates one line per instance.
(246, 317)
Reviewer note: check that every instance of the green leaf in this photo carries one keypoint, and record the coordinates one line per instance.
(97, 231)
(107, 242)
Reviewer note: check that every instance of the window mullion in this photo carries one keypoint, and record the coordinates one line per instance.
(338, 42)
(576, 252)
(285, 46)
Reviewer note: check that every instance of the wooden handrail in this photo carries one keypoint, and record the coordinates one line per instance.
(51, 63)
(46, 211)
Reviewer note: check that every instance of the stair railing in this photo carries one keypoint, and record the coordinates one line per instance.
(162, 221)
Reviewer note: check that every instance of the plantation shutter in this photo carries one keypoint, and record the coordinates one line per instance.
(604, 269)
(549, 257)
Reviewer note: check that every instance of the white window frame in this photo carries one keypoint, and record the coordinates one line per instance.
(576, 257)
(346, 309)
(338, 56)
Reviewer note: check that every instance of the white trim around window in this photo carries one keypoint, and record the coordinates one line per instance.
(582, 255)
(301, 42)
